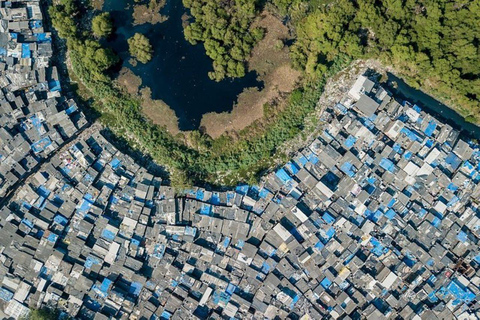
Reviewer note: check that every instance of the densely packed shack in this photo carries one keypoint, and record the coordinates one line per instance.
(35, 119)
(376, 218)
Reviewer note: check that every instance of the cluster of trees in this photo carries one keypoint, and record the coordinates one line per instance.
(42, 314)
(432, 44)
(140, 48)
(63, 20)
(102, 25)
(95, 58)
(225, 29)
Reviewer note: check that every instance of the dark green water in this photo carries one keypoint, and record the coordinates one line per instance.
(178, 72)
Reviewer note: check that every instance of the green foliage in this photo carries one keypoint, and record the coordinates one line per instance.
(62, 16)
(140, 48)
(225, 29)
(432, 44)
(102, 25)
(42, 314)
(94, 59)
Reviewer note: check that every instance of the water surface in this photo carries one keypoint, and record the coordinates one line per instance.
(432, 106)
(178, 72)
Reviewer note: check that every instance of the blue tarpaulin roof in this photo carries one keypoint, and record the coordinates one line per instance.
(264, 193)
(328, 218)
(61, 220)
(41, 144)
(135, 288)
(5, 294)
(52, 238)
(107, 234)
(326, 283)
(71, 109)
(378, 248)
(292, 167)
(85, 206)
(350, 141)
(462, 236)
(43, 37)
(348, 169)
(397, 148)
(25, 50)
(461, 293)
(206, 209)
(199, 195)
(312, 158)
(28, 223)
(242, 189)
(302, 161)
(412, 135)
(432, 125)
(387, 164)
(283, 176)
(215, 199)
(453, 161)
(90, 261)
(390, 214)
(115, 163)
(54, 85)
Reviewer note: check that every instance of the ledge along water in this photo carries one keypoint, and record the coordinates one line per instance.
(178, 72)
(432, 106)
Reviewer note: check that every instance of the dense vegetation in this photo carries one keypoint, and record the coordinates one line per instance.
(102, 25)
(42, 314)
(224, 28)
(140, 48)
(433, 44)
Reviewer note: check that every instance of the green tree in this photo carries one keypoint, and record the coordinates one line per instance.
(95, 59)
(225, 29)
(140, 48)
(62, 15)
(102, 25)
(42, 314)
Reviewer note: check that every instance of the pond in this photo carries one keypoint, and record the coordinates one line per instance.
(432, 106)
(178, 72)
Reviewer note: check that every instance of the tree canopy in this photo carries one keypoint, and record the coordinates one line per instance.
(433, 44)
(102, 25)
(140, 48)
(224, 28)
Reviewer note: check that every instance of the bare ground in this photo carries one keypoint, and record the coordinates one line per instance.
(159, 112)
(128, 80)
(149, 13)
(97, 4)
(155, 110)
(270, 59)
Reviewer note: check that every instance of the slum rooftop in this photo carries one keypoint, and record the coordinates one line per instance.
(377, 218)
(35, 118)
